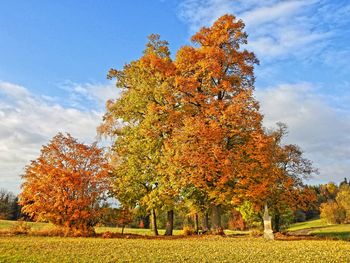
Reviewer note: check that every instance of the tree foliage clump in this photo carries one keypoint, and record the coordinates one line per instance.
(338, 211)
(66, 184)
(188, 131)
(9, 207)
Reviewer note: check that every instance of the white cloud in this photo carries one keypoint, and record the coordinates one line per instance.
(322, 130)
(277, 29)
(29, 121)
(88, 95)
(272, 12)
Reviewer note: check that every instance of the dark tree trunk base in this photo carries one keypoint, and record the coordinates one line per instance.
(216, 220)
(205, 223)
(154, 218)
(169, 223)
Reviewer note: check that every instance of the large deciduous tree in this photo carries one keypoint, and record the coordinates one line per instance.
(65, 185)
(217, 142)
(288, 169)
(190, 129)
(139, 122)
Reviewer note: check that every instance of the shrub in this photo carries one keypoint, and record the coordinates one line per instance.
(188, 231)
(255, 232)
(236, 222)
(107, 234)
(332, 213)
(343, 200)
(250, 217)
(20, 227)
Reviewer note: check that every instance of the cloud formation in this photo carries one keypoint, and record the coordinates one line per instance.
(322, 130)
(278, 28)
(28, 121)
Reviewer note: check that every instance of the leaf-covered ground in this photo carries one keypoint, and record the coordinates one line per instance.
(194, 249)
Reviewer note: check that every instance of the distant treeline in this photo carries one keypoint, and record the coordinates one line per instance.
(9, 207)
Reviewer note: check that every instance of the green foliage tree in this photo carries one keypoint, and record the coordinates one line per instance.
(249, 214)
(9, 207)
(343, 200)
(338, 211)
(288, 169)
(139, 124)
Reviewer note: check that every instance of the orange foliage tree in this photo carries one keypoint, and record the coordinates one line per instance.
(65, 185)
(190, 128)
(217, 142)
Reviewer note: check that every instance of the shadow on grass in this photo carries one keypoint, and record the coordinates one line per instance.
(334, 235)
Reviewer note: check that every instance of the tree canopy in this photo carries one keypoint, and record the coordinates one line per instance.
(65, 185)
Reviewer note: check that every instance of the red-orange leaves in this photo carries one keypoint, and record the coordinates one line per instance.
(65, 184)
(218, 132)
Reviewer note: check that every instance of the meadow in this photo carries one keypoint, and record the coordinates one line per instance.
(189, 249)
(319, 228)
(234, 247)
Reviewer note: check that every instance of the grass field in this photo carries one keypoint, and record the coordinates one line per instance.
(308, 224)
(193, 249)
(7, 225)
(321, 229)
(232, 248)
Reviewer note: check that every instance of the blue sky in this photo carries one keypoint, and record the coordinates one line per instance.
(54, 56)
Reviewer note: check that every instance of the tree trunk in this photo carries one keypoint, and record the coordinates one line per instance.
(169, 223)
(277, 222)
(196, 225)
(154, 219)
(205, 222)
(123, 229)
(216, 219)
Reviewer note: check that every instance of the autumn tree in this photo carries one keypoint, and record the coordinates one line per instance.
(288, 168)
(216, 142)
(190, 129)
(65, 185)
(338, 211)
(138, 121)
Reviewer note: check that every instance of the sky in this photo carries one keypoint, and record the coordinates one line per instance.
(54, 57)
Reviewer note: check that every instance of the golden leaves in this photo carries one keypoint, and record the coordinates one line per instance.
(65, 183)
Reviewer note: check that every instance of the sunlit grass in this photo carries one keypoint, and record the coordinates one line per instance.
(232, 248)
(321, 229)
(334, 231)
(308, 224)
(7, 224)
(36, 226)
(193, 249)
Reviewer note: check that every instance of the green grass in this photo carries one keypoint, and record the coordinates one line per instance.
(7, 224)
(194, 249)
(334, 231)
(308, 224)
(321, 229)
